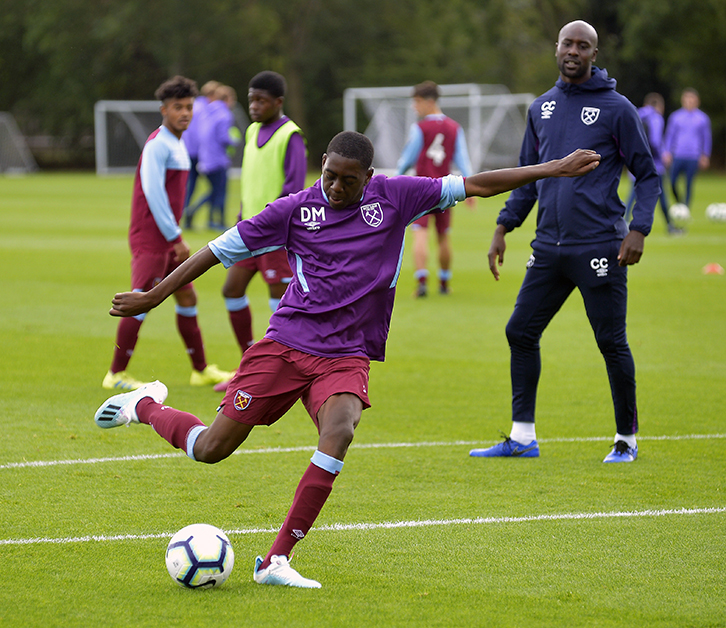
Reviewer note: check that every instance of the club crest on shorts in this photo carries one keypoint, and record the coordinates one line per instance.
(241, 400)
(589, 115)
(372, 214)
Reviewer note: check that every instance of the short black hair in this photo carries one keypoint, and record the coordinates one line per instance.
(271, 82)
(177, 87)
(352, 145)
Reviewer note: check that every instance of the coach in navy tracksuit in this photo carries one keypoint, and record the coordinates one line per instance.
(582, 240)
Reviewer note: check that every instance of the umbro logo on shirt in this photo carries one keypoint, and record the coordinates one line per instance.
(312, 217)
(547, 109)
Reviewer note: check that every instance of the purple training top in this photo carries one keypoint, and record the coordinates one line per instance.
(214, 137)
(688, 134)
(653, 123)
(345, 262)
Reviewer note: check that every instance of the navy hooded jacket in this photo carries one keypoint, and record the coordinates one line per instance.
(584, 209)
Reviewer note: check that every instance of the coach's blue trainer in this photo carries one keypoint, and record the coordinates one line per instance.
(508, 448)
(121, 409)
(622, 453)
(280, 572)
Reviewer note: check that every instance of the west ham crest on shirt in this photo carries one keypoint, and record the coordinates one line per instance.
(372, 214)
(589, 115)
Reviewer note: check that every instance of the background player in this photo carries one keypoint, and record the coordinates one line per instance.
(433, 143)
(333, 319)
(155, 239)
(582, 240)
(274, 164)
(651, 115)
(687, 143)
(191, 141)
(217, 138)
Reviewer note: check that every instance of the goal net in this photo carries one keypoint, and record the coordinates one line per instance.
(493, 119)
(15, 156)
(123, 126)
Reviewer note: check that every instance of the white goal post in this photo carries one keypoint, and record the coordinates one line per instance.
(493, 119)
(123, 126)
(15, 156)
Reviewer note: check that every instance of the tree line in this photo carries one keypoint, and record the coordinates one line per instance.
(58, 58)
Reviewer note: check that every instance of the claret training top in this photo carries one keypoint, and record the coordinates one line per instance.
(345, 262)
(159, 190)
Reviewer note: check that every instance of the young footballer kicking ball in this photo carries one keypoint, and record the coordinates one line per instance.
(344, 240)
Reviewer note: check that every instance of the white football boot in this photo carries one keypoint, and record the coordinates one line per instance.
(280, 572)
(121, 409)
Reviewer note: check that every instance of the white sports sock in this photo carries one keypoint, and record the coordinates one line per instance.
(192, 438)
(523, 432)
(326, 462)
(630, 439)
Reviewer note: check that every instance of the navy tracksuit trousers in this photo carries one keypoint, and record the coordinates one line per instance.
(553, 272)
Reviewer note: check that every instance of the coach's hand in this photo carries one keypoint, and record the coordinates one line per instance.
(496, 251)
(631, 249)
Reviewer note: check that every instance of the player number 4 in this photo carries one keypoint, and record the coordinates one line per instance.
(436, 152)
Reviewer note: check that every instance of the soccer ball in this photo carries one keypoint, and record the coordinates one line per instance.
(199, 555)
(716, 212)
(679, 212)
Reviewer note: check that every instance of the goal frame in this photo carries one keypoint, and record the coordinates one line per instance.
(470, 100)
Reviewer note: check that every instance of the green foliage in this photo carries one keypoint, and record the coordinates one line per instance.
(446, 380)
(59, 58)
(679, 45)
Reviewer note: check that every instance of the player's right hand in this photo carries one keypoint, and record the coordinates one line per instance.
(181, 251)
(130, 304)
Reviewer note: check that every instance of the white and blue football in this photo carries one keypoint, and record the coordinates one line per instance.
(199, 556)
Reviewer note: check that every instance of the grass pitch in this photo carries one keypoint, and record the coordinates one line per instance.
(415, 533)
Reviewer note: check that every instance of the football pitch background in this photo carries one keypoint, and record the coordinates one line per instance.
(415, 533)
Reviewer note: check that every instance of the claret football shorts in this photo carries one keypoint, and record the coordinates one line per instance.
(272, 377)
(149, 268)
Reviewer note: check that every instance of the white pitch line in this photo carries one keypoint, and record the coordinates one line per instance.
(287, 450)
(342, 527)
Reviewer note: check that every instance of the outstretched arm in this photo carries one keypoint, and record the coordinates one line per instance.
(497, 181)
(134, 303)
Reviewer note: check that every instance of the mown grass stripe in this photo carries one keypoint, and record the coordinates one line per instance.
(286, 450)
(388, 525)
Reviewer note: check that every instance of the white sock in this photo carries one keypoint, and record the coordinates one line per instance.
(523, 432)
(630, 439)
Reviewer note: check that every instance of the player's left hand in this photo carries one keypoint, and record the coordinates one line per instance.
(631, 249)
(578, 162)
